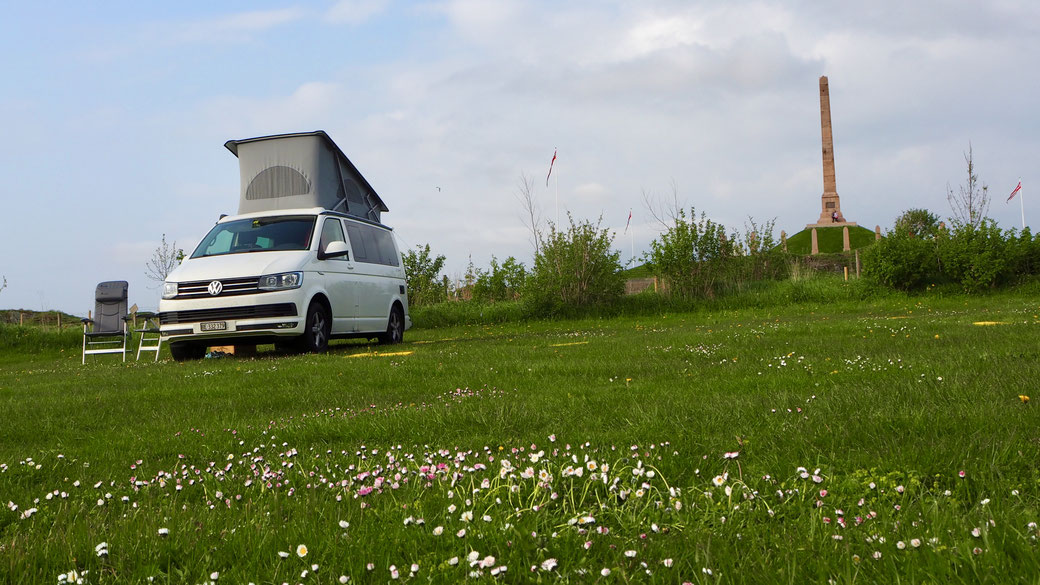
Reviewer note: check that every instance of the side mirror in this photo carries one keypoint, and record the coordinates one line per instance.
(334, 250)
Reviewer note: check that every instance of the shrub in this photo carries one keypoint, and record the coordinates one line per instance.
(691, 255)
(421, 274)
(1024, 251)
(503, 282)
(918, 223)
(976, 257)
(920, 251)
(764, 259)
(574, 268)
(902, 261)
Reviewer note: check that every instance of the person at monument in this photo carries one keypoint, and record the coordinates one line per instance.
(834, 216)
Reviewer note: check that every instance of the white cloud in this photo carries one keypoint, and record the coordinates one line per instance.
(145, 38)
(659, 34)
(232, 27)
(354, 12)
(590, 192)
(309, 107)
(482, 20)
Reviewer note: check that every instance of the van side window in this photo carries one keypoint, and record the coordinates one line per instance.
(357, 243)
(387, 252)
(372, 245)
(331, 231)
(368, 234)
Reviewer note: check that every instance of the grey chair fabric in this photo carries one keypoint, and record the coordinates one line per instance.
(108, 326)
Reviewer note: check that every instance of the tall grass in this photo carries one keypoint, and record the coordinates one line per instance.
(810, 288)
(18, 341)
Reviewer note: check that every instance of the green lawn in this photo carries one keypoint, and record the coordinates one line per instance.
(573, 451)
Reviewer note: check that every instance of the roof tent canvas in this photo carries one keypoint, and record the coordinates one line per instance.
(307, 169)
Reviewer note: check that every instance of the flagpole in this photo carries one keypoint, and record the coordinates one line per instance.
(557, 199)
(1022, 203)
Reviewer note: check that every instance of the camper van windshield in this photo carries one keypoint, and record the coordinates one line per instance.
(257, 235)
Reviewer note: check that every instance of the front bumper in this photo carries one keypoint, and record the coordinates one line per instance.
(194, 320)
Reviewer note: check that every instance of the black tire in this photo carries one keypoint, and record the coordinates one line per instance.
(394, 327)
(318, 327)
(185, 351)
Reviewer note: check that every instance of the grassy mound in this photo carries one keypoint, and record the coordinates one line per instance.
(829, 239)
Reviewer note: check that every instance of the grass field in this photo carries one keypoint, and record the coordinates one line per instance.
(853, 441)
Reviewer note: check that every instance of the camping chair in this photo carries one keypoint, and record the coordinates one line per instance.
(108, 328)
(149, 334)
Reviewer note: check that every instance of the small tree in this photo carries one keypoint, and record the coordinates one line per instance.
(502, 282)
(575, 268)
(532, 215)
(164, 259)
(764, 259)
(919, 223)
(693, 254)
(422, 274)
(970, 204)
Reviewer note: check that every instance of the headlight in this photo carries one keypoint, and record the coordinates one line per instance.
(169, 290)
(282, 281)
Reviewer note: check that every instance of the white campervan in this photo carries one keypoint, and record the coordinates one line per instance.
(282, 273)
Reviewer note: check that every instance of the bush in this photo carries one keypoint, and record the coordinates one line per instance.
(421, 272)
(902, 261)
(974, 257)
(1024, 252)
(764, 259)
(574, 268)
(919, 223)
(691, 255)
(500, 283)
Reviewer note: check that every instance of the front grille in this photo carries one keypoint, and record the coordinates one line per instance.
(228, 313)
(232, 287)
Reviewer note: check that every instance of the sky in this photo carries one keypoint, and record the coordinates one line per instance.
(114, 118)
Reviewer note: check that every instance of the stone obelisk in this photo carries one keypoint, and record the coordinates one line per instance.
(830, 204)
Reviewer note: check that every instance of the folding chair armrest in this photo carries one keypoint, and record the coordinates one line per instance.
(85, 320)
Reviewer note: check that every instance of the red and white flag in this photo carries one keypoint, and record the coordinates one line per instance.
(629, 221)
(1015, 192)
(551, 163)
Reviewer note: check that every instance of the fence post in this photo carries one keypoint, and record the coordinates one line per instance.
(59, 321)
(21, 320)
(857, 263)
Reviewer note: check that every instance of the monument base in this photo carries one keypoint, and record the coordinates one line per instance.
(810, 226)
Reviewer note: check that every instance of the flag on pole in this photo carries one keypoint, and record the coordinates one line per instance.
(553, 161)
(1015, 192)
(629, 221)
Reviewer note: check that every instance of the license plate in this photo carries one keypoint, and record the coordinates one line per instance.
(213, 326)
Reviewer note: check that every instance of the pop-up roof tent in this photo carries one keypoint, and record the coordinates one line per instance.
(307, 169)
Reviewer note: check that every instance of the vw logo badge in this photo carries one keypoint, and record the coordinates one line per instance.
(215, 287)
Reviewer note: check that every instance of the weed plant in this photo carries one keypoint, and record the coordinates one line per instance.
(814, 432)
